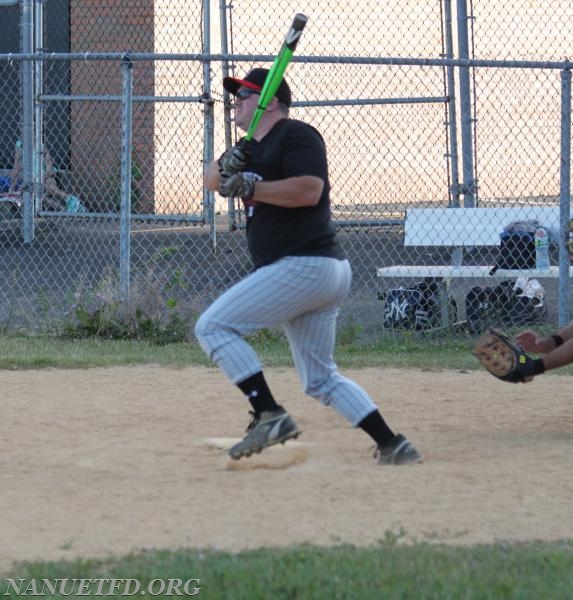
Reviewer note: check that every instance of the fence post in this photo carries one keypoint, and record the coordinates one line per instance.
(125, 203)
(208, 122)
(564, 197)
(223, 7)
(469, 187)
(451, 106)
(27, 133)
(39, 162)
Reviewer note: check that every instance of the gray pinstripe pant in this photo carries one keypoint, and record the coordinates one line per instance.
(301, 294)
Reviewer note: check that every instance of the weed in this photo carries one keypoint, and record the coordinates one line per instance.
(146, 315)
(349, 332)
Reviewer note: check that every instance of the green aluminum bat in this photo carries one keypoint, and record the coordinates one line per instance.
(276, 71)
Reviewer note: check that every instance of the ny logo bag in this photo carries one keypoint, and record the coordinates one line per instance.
(402, 308)
(417, 307)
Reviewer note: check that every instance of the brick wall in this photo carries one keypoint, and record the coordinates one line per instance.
(96, 126)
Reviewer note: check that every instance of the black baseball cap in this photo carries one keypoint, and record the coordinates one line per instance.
(254, 80)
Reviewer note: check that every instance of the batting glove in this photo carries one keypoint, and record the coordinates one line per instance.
(237, 186)
(233, 160)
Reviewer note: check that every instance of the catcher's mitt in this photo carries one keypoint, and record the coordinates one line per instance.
(503, 358)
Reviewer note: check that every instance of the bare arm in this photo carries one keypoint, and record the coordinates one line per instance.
(559, 357)
(211, 177)
(554, 357)
(293, 192)
(531, 341)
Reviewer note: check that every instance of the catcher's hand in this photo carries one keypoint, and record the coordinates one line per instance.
(503, 358)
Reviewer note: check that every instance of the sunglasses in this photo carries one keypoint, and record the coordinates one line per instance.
(245, 93)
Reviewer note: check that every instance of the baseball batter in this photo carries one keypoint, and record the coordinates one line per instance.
(300, 279)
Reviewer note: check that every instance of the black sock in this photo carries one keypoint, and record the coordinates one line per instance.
(258, 393)
(375, 426)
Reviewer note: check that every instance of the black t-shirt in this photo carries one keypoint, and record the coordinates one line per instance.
(290, 149)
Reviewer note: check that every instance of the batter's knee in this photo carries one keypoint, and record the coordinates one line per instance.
(203, 329)
(212, 334)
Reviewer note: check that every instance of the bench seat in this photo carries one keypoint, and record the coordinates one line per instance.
(468, 271)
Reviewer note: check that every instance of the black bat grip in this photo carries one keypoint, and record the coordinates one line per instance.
(295, 31)
(299, 21)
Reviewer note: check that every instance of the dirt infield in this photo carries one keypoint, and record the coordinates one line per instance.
(105, 461)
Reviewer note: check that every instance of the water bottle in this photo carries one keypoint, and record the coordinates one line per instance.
(541, 248)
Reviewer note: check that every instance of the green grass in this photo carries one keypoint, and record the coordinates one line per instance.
(23, 352)
(412, 352)
(389, 571)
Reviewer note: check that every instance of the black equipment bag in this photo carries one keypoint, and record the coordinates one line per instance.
(517, 246)
(501, 306)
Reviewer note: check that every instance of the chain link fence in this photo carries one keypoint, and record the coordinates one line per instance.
(132, 92)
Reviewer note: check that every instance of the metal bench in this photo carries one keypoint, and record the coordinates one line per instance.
(462, 228)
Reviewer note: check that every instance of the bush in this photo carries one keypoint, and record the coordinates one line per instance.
(146, 315)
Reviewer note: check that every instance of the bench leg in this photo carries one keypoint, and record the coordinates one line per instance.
(444, 303)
